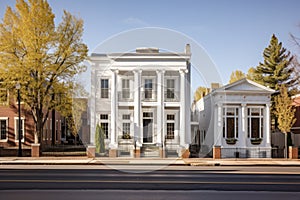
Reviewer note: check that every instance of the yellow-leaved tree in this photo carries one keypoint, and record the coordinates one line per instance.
(236, 75)
(42, 57)
(285, 113)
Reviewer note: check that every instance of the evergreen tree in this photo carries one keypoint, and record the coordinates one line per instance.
(236, 75)
(285, 113)
(275, 69)
(251, 75)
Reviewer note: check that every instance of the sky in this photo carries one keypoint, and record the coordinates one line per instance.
(233, 33)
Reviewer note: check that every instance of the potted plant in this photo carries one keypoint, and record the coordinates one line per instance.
(126, 136)
(256, 141)
(231, 141)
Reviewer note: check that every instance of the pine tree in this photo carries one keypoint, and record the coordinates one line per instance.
(285, 113)
(42, 57)
(275, 70)
(236, 75)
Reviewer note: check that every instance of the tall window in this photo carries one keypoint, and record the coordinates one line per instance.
(170, 88)
(104, 124)
(104, 88)
(170, 126)
(3, 129)
(148, 88)
(126, 124)
(230, 122)
(21, 129)
(125, 89)
(255, 122)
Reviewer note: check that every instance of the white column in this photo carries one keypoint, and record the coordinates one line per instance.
(137, 107)
(243, 134)
(182, 109)
(218, 125)
(113, 115)
(267, 133)
(160, 107)
(187, 108)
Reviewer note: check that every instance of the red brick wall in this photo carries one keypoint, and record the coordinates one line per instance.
(11, 111)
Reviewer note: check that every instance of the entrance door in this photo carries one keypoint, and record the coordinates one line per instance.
(147, 130)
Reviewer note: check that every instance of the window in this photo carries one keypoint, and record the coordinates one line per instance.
(147, 114)
(126, 124)
(170, 88)
(104, 88)
(21, 129)
(230, 122)
(255, 122)
(126, 128)
(171, 117)
(170, 127)
(104, 116)
(148, 88)
(3, 129)
(126, 117)
(125, 89)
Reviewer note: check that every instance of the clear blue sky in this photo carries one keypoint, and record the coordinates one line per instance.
(233, 32)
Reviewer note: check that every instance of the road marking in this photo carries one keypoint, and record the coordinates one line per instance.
(154, 181)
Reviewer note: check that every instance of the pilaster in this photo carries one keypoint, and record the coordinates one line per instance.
(160, 107)
(182, 108)
(137, 107)
(114, 112)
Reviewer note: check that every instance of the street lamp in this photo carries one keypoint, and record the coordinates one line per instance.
(18, 87)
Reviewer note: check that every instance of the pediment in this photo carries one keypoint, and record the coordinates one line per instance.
(247, 85)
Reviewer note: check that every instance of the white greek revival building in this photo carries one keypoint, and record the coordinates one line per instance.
(142, 101)
(236, 118)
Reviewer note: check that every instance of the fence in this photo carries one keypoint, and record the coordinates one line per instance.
(246, 152)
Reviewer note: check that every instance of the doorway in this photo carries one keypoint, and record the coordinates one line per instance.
(147, 127)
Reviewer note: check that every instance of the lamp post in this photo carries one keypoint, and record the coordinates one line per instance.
(18, 87)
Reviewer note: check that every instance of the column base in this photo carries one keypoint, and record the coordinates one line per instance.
(112, 153)
(293, 152)
(35, 150)
(137, 153)
(91, 151)
(217, 152)
(185, 153)
(162, 153)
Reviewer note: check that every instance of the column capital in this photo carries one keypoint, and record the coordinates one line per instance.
(243, 104)
(116, 71)
(183, 71)
(218, 105)
(137, 71)
(162, 71)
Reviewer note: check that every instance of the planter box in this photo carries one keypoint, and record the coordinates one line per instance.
(256, 141)
(231, 141)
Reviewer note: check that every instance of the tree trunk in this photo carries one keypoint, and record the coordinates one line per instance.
(285, 144)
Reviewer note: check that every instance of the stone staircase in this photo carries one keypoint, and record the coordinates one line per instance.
(150, 150)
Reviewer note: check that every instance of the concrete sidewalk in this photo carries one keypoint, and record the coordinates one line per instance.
(145, 161)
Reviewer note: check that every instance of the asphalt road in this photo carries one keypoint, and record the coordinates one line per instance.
(224, 179)
(77, 182)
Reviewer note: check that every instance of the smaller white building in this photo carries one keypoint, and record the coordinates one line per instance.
(236, 117)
